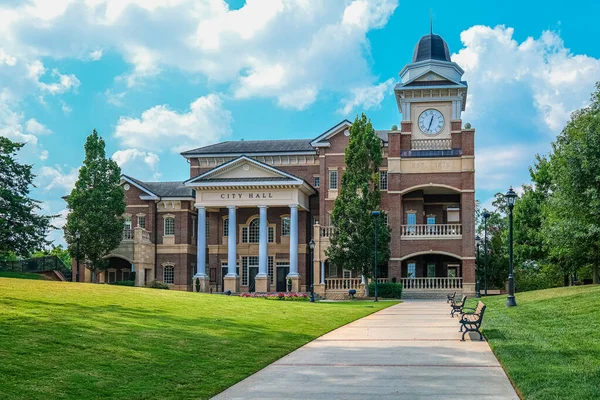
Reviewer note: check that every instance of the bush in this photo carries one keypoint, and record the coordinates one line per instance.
(278, 296)
(157, 285)
(535, 278)
(123, 283)
(386, 290)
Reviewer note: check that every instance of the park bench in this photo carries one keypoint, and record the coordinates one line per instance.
(470, 321)
(451, 297)
(457, 307)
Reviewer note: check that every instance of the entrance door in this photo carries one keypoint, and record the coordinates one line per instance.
(252, 271)
(281, 284)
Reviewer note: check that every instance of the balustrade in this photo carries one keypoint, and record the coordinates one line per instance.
(431, 283)
(431, 144)
(428, 230)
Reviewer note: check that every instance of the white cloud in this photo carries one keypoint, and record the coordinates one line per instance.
(95, 55)
(286, 50)
(541, 71)
(367, 97)
(66, 109)
(116, 99)
(138, 163)
(44, 155)
(160, 128)
(58, 177)
(35, 128)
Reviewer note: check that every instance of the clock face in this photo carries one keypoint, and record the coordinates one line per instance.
(431, 121)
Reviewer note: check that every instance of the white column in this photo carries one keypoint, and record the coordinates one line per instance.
(293, 240)
(322, 272)
(262, 242)
(231, 243)
(201, 243)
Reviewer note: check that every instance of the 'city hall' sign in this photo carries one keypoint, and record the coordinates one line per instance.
(250, 196)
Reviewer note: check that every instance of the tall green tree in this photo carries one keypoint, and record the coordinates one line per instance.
(352, 240)
(96, 205)
(575, 169)
(22, 229)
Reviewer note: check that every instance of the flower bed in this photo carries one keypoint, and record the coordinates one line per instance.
(278, 296)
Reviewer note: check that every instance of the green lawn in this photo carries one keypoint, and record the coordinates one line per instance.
(21, 275)
(549, 344)
(62, 340)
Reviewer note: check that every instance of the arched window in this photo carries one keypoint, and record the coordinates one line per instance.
(169, 274)
(169, 226)
(251, 233)
(285, 226)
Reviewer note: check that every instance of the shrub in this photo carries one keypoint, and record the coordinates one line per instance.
(393, 279)
(157, 285)
(278, 296)
(386, 290)
(123, 283)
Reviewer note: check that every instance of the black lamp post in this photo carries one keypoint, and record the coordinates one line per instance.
(477, 266)
(486, 215)
(77, 236)
(511, 198)
(376, 215)
(311, 245)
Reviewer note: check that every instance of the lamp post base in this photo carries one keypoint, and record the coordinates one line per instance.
(510, 301)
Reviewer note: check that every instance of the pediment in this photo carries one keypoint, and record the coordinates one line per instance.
(323, 139)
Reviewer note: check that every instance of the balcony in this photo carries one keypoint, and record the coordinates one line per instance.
(345, 284)
(431, 144)
(326, 231)
(431, 283)
(431, 231)
(137, 234)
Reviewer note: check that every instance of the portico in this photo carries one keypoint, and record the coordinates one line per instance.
(248, 187)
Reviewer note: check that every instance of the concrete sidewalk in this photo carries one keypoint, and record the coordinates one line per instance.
(408, 351)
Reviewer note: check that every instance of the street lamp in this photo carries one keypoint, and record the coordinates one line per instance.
(477, 243)
(511, 198)
(77, 236)
(486, 215)
(311, 245)
(376, 215)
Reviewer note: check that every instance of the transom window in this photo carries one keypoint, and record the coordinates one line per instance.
(333, 179)
(169, 226)
(383, 180)
(141, 223)
(285, 226)
(169, 274)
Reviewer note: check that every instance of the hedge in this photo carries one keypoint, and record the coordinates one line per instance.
(123, 283)
(386, 290)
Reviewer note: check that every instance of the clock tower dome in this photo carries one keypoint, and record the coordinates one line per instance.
(431, 95)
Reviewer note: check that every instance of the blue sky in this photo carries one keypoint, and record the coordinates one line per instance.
(155, 77)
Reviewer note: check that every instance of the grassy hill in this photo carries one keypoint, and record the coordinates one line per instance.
(549, 344)
(21, 275)
(64, 340)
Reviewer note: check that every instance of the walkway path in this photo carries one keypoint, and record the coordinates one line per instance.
(408, 351)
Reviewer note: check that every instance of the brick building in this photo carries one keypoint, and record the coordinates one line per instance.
(243, 220)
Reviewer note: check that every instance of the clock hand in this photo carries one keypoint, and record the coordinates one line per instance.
(429, 127)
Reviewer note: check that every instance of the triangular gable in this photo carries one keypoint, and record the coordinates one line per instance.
(244, 169)
(137, 184)
(424, 77)
(322, 140)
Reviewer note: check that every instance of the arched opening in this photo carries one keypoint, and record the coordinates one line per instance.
(119, 269)
(431, 211)
(431, 271)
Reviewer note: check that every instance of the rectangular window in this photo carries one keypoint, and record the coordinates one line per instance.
(453, 215)
(317, 181)
(332, 271)
(285, 226)
(206, 229)
(411, 218)
(452, 272)
(169, 274)
(333, 180)
(430, 220)
(225, 226)
(169, 226)
(386, 219)
(412, 270)
(383, 180)
(270, 269)
(141, 221)
(271, 235)
(127, 223)
(431, 270)
(346, 274)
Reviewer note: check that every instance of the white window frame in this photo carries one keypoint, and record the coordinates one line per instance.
(128, 225)
(169, 274)
(286, 226)
(317, 181)
(383, 180)
(169, 228)
(141, 218)
(333, 183)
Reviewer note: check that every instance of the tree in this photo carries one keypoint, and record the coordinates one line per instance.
(575, 169)
(22, 229)
(58, 251)
(352, 240)
(96, 205)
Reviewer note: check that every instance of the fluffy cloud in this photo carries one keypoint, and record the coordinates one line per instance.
(159, 127)
(35, 128)
(59, 178)
(287, 50)
(138, 163)
(541, 72)
(366, 97)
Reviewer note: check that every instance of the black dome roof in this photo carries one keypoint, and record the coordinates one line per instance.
(431, 47)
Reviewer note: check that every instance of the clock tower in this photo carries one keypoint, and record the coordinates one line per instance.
(431, 94)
